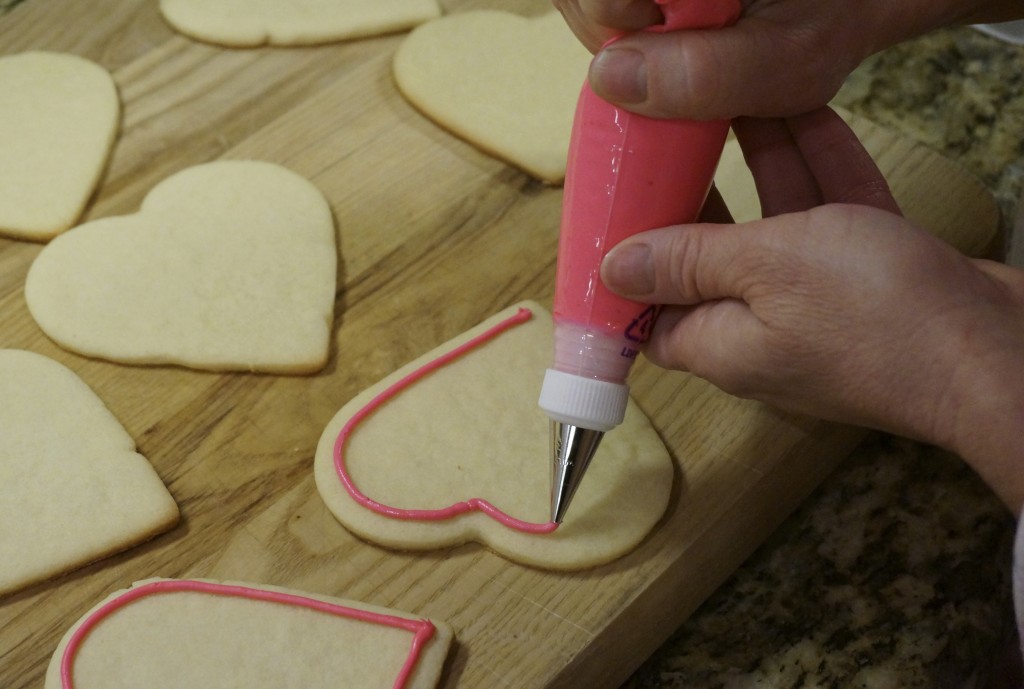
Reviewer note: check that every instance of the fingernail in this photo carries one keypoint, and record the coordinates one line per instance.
(620, 74)
(629, 270)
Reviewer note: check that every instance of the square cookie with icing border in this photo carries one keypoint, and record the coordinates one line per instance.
(185, 633)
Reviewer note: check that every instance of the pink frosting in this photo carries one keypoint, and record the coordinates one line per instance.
(625, 174)
(473, 504)
(422, 630)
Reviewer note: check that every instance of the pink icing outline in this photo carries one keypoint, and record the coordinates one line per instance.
(422, 630)
(478, 504)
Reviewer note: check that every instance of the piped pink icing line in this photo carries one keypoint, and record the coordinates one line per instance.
(477, 504)
(422, 630)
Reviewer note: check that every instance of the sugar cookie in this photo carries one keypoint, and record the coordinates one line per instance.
(172, 634)
(59, 116)
(505, 83)
(245, 23)
(72, 487)
(227, 266)
(461, 443)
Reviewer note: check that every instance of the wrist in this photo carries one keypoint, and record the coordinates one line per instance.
(990, 436)
(982, 416)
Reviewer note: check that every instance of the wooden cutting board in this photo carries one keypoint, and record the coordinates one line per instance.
(433, 237)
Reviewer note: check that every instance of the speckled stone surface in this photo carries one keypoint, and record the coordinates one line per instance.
(896, 572)
(958, 91)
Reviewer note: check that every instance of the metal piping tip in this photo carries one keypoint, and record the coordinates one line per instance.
(572, 448)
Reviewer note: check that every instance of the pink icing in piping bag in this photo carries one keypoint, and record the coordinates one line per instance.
(626, 173)
(473, 504)
(422, 630)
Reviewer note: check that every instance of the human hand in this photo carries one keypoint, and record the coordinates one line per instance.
(837, 307)
(781, 58)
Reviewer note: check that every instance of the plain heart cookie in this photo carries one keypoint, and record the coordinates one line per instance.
(505, 83)
(227, 266)
(244, 23)
(59, 117)
(453, 448)
(185, 633)
(72, 487)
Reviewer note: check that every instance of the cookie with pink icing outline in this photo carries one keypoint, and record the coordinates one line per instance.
(452, 448)
(174, 633)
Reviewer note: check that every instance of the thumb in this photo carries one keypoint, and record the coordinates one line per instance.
(687, 264)
(748, 69)
(700, 272)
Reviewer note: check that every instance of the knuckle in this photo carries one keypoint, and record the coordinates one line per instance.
(678, 270)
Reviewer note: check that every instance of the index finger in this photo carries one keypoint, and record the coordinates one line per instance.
(626, 15)
(595, 22)
(843, 168)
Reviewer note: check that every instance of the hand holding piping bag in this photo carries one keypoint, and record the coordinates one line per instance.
(781, 58)
(626, 173)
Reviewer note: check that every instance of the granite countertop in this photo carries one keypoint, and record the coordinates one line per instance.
(896, 572)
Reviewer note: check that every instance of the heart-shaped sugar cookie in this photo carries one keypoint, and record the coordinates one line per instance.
(72, 488)
(453, 448)
(505, 83)
(227, 266)
(245, 23)
(59, 116)
(173, 633)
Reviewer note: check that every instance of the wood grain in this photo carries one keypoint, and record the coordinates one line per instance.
(433, 237)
